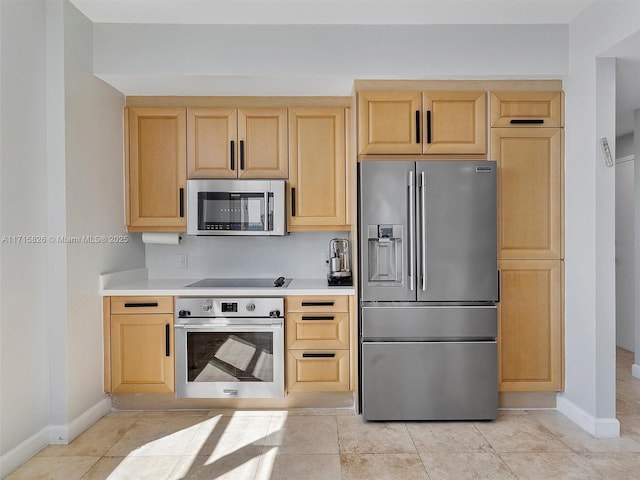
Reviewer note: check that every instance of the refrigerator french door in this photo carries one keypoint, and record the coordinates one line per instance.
(428, 287)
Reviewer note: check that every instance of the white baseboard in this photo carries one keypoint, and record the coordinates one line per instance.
(51, 435)
(635, 370)
(63, 434)
(23, 452)
(598, 427)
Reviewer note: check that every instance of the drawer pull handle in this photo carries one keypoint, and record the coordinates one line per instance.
(527, 121)
(318, 304)
(318, 355)
(141, 304)
(318, 317)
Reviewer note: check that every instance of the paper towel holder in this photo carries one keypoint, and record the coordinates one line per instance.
(161, 238)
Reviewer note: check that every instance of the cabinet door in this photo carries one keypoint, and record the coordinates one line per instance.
(530, 325)
(529, 191)
(142, 355)
(526, 109)
(156, 173)
(389, 122)
(262, 143)
(317, 164)
(212, 142)
(455, 122)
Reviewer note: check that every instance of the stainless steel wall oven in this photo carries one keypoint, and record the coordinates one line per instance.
(229, 347)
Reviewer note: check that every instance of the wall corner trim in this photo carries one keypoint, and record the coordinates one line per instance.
(52, 434)
(635, 370)
(65, 434)
(598, 427)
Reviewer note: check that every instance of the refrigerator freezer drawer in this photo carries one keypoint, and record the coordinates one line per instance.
(429, 322)
(429, 381)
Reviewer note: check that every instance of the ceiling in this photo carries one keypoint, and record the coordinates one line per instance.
(368, 12)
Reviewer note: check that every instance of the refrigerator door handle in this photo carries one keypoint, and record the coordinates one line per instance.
(412, 233)
(423, 231)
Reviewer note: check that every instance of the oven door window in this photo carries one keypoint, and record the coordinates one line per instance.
(234, 211)
(230, 357)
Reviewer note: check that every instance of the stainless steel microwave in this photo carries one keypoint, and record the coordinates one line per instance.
(235, 207)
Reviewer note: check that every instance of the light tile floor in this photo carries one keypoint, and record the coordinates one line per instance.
(336, 444)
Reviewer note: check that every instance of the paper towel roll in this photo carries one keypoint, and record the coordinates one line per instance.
(158, 238)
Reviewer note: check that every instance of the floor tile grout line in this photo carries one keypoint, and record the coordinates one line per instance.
(413, 441)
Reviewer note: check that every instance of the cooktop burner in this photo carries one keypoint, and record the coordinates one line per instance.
(242, 283)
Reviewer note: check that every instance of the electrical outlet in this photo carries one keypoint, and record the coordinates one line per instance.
(181, 260)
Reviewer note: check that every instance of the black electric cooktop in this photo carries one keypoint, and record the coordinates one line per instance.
(279, 282)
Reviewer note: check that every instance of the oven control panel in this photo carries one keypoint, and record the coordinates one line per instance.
(201, 307)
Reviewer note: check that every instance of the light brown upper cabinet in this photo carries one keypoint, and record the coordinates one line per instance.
(526, 109)
(212, 138)
(237, 142)
(317, 166)
(155, 168)
(413, 122)
(529, 192)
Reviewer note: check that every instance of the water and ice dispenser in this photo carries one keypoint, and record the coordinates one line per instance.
(385, 254)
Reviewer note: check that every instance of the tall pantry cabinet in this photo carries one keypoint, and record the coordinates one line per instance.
(526, 141)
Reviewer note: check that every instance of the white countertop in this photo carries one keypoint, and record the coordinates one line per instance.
(135, 282)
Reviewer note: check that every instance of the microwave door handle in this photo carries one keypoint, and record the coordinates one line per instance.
(266, 211)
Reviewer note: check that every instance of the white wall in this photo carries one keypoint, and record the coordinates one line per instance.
(297, 255)
(24, 329)
(317, 59)
(636, 365)
(94, 189)
(62, 174)
(590, 206)
(625, 284)
(624, 145)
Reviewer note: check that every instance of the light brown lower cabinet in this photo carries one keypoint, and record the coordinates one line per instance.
(141, 345)
(317, 337)
(530, 325)
(317, 370)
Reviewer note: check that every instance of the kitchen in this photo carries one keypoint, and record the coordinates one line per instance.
(72, 339)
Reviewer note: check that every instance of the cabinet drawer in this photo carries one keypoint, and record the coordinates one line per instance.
(317, 330)
(317, 370)
(526, 109)
(137, 305)
(317, 303)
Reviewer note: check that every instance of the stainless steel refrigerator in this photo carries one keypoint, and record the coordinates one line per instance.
(428, 290)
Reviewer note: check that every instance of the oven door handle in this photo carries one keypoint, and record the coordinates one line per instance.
(253, 327)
